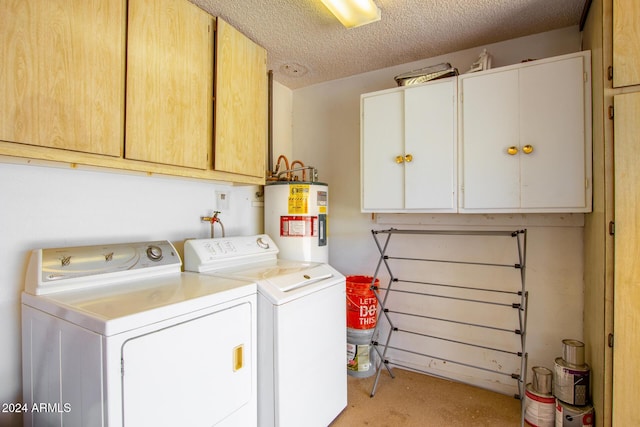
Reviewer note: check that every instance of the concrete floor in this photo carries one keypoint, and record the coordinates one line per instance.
(413, 399)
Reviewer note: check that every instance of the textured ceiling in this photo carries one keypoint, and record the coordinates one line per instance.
(308, 45)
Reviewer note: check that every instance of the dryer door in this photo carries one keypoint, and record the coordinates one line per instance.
(195, 373)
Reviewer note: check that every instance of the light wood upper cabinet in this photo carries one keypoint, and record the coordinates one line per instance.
(75, 73)
(626, 43)
(62, 74)
(525, 137)
(169, 83)
(626, 369)
(241, 107)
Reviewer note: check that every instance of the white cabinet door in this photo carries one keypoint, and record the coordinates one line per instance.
(408, 149)
(489, 175)
(524, 142)
(382, 141)
(430, 135)
(552, 118)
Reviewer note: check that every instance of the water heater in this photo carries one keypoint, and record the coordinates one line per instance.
(295, 215)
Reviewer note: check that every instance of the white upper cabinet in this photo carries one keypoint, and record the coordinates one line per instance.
(408, 148)
(525, 137)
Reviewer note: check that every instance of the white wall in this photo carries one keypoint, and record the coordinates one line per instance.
(282, 126)
(54, 207)
(326, 134)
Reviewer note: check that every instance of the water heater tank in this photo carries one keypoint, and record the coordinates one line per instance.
(295, 215)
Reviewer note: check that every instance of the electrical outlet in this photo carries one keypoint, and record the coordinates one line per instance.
(222, 200)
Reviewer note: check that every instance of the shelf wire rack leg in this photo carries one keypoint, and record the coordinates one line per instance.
(382, 356)
(524, 309)
(382, 362)
(522, 384)
(524, 302)
(383, 259)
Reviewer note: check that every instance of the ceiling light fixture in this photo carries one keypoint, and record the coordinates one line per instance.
(354, 13)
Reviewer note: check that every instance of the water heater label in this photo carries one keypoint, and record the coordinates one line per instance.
(298, 226)
(299, 199)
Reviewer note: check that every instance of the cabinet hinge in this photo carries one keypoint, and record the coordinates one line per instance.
(610, 112)
(610, 72)
(610, 340)
(612, 228)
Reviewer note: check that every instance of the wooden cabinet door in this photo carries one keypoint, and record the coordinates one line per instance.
(169, 83)
(626, 365)
(626, 43)
(62, 77)
(382, 142)
(490, 176)
(552, 122)
(241, 106)
(430, 141)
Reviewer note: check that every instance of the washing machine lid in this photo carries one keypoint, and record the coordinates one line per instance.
(113, 309)
(281, 281)
(254, 258)
(308, 277)
(265, 270)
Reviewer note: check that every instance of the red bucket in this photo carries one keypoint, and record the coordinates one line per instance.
(361, 302)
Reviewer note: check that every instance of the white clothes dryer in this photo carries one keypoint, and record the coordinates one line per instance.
(302, 375)
(117, 335)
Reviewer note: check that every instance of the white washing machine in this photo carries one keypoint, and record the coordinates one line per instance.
(302, 376)
(116, 335)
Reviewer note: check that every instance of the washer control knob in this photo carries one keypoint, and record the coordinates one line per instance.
(154, 253)
(262, 243)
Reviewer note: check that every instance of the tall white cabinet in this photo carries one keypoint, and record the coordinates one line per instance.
(525, 137)
(408, 149)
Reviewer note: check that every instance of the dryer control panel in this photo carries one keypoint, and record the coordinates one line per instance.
(60, 269)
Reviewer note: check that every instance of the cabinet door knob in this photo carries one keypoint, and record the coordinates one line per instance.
(513, 150)
(399, 159)
(408, 158)
(527, 149)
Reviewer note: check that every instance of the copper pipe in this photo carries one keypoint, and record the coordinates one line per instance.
(302, 166)
(286, 166)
